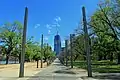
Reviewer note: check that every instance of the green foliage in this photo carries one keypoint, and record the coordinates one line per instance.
(78, 47)
(104, 30)
(11, 42)
(103, 23)
(34, 52)
(10, 38)
(100, 66)
(47, 52)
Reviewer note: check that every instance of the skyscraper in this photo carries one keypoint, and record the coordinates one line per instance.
(57, 44)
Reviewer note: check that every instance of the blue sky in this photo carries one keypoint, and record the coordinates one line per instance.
(45, 14)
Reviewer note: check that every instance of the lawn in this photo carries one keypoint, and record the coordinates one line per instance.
(103, 66)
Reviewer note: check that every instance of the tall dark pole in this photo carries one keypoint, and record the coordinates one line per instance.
(21, 74)
(47, 53)
(42, 51)
(66, 51)
(71, 54)
(37, 63)
(87, 46)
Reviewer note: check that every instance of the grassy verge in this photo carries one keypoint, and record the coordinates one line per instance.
(103, 66)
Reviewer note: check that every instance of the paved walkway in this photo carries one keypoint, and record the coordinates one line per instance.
(57, 71)
(11, 71)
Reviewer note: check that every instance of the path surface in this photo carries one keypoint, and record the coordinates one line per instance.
(57, 71)
(11, 71)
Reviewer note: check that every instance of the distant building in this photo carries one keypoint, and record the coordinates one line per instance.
(62, 52)
(62, 49)
(57, 44)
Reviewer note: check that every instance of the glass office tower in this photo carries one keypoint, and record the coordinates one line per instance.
(57, 44)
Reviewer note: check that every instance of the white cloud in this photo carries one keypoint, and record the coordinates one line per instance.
(63, 43)
(57, 19)
(49, 31)
(48, 26)
(37, 25)
(46, 38)
(58, 25)
(53, 25)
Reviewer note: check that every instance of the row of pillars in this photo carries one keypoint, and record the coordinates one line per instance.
(71, 50)
(87, 46)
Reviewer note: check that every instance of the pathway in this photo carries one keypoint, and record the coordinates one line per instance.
(57, 71)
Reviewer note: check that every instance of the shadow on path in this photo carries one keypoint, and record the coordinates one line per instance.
(108, 76)
(65, 72)
(56, 71)
(113, 76)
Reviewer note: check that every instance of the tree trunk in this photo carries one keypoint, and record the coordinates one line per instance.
(47, 62)
(45, 59)
(104, 57)
(84, 58)
(118, 58)
(7, 58)
(99, 57)
(76, 57)
(111, 57)
(19, 58)
(37, 63)
(15, 60)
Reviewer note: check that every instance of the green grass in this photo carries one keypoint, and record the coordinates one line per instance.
(103, 66)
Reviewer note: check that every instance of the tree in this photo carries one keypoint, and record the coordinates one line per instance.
(10, 35)
(48, 53)
(105, 25)
(78, 47)
(32, 50)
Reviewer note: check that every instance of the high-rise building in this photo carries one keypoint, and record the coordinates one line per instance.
(57, 44)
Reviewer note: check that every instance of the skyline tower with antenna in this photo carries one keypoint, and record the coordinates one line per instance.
(57, 42)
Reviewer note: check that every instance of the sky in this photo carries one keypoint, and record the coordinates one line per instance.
(45, 15)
